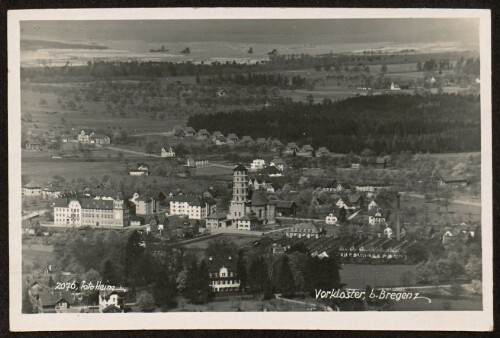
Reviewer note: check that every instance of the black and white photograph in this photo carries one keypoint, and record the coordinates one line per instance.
(302, 164)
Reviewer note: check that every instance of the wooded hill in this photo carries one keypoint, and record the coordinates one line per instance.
(384, 123)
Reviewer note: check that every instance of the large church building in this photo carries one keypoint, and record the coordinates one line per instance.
(249, 209)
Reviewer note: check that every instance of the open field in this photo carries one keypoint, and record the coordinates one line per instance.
(457, 212)
(239, 240)
(42, 171)
(212, 171)
(36, 255)
(88, 114)
(357, 276)
(472, 304)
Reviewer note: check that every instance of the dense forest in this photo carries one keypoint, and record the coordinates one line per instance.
(384, 123)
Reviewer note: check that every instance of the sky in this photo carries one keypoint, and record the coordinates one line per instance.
(463, 31)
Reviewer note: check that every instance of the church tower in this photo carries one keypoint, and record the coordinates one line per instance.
(237, 207)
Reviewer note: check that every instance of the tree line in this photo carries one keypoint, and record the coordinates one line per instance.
(256, 79)
(384, 123)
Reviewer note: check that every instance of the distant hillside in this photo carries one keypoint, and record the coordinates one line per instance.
(40, 44)
(383, 123)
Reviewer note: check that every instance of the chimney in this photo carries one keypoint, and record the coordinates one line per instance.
(398, 214)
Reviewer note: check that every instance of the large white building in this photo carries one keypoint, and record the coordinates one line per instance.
(193, 207)
(167, 152)
(257, 164)
(87, 211)
(222, 274)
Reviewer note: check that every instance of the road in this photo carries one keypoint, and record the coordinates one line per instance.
(130, 151)
(474, 204)
(300, 219)
(166, 133)
(34, 213)
(313, 305)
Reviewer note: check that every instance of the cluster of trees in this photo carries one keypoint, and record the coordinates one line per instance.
(256, 79)
(451, 262)
(383, 123)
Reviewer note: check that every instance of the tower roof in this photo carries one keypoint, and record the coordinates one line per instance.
(240, 167)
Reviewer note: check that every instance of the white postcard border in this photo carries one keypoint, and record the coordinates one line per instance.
(432, 320)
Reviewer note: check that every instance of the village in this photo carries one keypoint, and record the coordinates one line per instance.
(270, 205)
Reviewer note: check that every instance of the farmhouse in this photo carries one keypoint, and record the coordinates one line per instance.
(322, 152)
(247, 140)
(216, 135)
(54, 301)
(276, 145)
(203, 134)
(33, 144)
(286, 208)
(167, 152)
(84, 135)
(142, 170)
(278, 163)
(291, 148)
(222, 272)
(99, 139)
(232, 139)
(262, 142)
(189, 132)
(453, 182)
(192, 162)
(32, 189)
(306, 151)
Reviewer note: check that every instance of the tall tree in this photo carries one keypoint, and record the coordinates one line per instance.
(133, 251)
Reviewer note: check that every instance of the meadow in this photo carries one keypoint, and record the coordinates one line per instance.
(357, 276)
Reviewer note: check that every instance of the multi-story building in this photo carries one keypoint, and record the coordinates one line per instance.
(88, 211)
(222, 272)
(193, 207)
(257, 164)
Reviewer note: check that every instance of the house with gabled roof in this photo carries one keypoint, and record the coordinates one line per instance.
(142, 170)
(100, 139)
(32, 189)
(306, 151)
(84, 135)
(276, 145)
(452, 181)
(33, 144)
(261, 142)
(232, 138)
(222, 273)
(291, 148)
(247, 140)
(278, 163)
(167, 151)
(323, 152)
(216, 134)
(203, 134)
(189, 132)
(53, 301)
